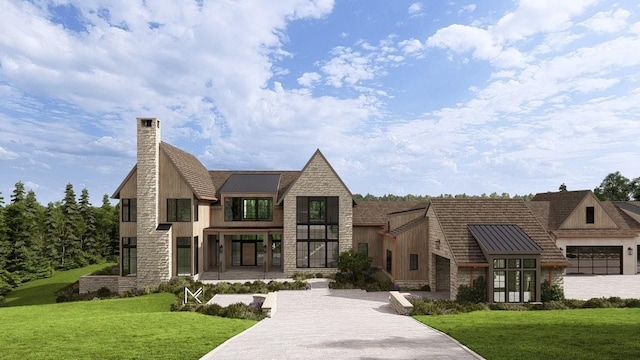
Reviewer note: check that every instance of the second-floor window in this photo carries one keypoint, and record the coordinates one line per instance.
(248, 209)
(129, 210)
(591, 216)
(178, 210)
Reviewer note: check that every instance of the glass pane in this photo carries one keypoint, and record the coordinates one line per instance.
(499, 284)
(302, 208)
(302, 232)
(249, 209)
(171, 210)
(332, 210)
(499, 263)
(363, 248)
(514, 286)
(529, 263)
(529, 286)
(317, 254)
(302, 255)
(317, 232)
(133, 260)
(332, 232)
(316, 210)
(184, 261)
(514, 263)
(264, 209)
(184, 241)
(235, 253)
(276, 249)
(332, 254)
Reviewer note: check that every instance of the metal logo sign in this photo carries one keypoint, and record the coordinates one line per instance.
(195, 295)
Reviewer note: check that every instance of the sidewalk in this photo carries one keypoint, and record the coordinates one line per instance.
(339, 324)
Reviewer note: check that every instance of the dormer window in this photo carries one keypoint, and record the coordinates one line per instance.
(591, 219)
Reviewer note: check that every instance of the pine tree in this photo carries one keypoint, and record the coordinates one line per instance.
(18, 193)
(52, 239)
(6, 281)
(107, 229)
(70, 245)
(87, 228)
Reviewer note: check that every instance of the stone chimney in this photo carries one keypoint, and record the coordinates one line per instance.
(154, 246)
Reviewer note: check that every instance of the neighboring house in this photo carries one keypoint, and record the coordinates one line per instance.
(180, 219)
(597, 237)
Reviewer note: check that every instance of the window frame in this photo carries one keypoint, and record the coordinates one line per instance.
(129, 244)
(590, 215)
(129, 210)
(235, 208)
(317, 227)
(183, 242)
(178, 207)
(511, 275)
(413, 261)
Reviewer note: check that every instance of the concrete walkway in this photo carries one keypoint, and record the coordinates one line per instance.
(339, 324)
(590, 286)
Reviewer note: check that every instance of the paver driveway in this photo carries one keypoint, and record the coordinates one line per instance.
(339, 324)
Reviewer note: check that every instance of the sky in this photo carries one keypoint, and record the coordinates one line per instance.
(402, 97)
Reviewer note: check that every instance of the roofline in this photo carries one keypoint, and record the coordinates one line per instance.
(578, 206)
(116, 194)
(182, 175)
(596, 235)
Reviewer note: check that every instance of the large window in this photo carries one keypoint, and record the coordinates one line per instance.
(248, 209)
(589, 260)
(129, 210)
(129, 256)
(317, 232)
(183, 256)
(590, 214)
(514, 280)
(178, 210)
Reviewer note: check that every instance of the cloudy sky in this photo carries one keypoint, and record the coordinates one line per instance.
(402, 97)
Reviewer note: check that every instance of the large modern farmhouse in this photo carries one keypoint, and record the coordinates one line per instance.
(180, 219)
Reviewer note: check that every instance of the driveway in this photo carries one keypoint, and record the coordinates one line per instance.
(584, 287)
(339, 324)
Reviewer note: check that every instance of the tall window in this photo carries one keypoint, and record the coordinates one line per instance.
(591, 218)
(183, 256)
(129, 210)
(389, 261)
(129, 256)
(178, 210)
(248, 209)
(413, 261)
(514, 280)
(317, 232)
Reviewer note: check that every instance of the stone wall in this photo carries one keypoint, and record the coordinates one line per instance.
(316, 179)
(557, 276)
(115, 283)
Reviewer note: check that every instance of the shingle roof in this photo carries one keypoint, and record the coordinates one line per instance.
(252, 183)
(374, 213)
(411, 224)
(220, 177)
(561, 205)
(454, 216)
(503, 239)
(632, 206)
(191, 170)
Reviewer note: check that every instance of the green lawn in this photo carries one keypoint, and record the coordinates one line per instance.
(132, 328)
(43, 291)
(550, 335)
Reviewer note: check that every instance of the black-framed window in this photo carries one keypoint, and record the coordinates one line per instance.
(248, 209)
(389, 261)
(363, 248)
(317, 229)
(129, 256)
(196, 215)
(413, 261)
(196, 246)
(597, 260)
(129, 210)
(178, 210)
(514, 280)
(183, 256)
(590, 215)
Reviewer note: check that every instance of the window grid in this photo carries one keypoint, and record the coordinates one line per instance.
(129, 210)
(129, 256)
(178, 210)
(317, 232)
(183, 256)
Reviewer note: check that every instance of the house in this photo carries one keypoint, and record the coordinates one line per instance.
(180, 219)
(597, 237)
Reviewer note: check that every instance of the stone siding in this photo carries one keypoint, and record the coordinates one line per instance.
(557, 276)
(316, 179)
(120, 284)
(463, 277)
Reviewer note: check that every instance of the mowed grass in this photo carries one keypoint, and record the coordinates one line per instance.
(131, 328)
(561, 334)
(43, 291)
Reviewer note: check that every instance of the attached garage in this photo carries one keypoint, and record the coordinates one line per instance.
(595, 260)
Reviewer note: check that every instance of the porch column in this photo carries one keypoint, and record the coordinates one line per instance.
(221, 254)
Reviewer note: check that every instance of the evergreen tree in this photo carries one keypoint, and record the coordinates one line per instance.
(107, 229)
(70, 245)
(87, 228)
(6, 281)
(52, 239)
(18, 193)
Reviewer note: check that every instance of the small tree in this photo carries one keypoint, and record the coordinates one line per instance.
(354, 264)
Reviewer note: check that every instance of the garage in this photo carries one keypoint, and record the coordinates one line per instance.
(595, 260)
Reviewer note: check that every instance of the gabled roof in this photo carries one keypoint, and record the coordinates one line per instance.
(410, 225)
(116, 194)
(375, 213)
(561, 205)
(631, 206)
(191, 170)
(455, 216)
(499, 239)
(317, 153)
(252, 183)
(220, 177)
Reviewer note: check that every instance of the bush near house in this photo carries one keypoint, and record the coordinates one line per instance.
(473, 294)
(356, 272)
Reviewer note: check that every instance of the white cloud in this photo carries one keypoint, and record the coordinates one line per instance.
(607, 21)
(467, 8)
(308, 79)
(411, 46)
(7, 154)
(415, 9)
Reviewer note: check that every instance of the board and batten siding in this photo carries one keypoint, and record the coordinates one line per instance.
(398, 219)
(127, 229)
(370, 236)
(412, 241)
(578, 218)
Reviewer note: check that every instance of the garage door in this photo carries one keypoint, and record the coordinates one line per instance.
(597, 260)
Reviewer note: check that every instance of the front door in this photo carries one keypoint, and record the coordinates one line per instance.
(249, 254)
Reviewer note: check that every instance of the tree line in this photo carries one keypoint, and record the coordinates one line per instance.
(411, 197)
(66, 234)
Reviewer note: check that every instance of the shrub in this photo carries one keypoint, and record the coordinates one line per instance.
(551, 293)
(319, 275)
(109, 270)
(573, 303)
(597, 303)
(103, 292)
(354, 264)
(632, 303)
(475, 294)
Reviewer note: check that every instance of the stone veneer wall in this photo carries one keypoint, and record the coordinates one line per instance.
(317, 179)
(153, 248)
(557, 276)
(115, 283)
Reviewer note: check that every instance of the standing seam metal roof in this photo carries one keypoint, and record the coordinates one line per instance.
(503, 239)
(252, 183)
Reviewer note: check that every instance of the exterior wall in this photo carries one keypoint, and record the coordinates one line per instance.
(115, 283)
(316, 179)
(173, 186)
(555, 275)
(413, 241)
(439, 246)
(217, 213)
(198, 230)
(399, 219)
(466, 276)
(629, 262)
(388, 244)
(154, 253)
(370, 236)
(127, 229)
(578, 218)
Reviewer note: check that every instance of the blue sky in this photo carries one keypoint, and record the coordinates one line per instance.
(402, 97)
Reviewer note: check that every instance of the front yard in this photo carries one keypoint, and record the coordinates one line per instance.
(556, 334)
